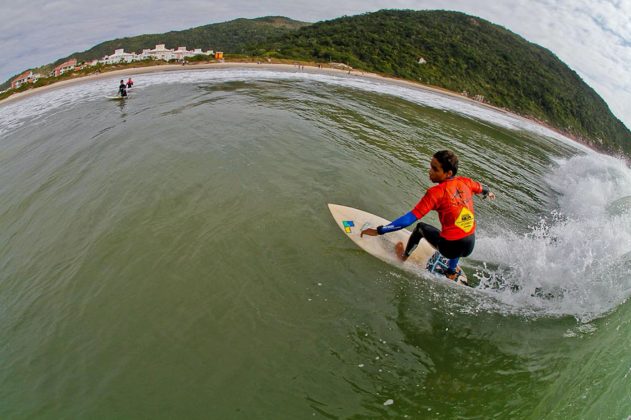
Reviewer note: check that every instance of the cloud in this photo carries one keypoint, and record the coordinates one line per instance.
(592, 36)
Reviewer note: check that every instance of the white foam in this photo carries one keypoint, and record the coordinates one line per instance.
(15, 113)
(575, 261)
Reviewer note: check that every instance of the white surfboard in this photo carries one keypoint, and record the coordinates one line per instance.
(352, 221)
(116, 97)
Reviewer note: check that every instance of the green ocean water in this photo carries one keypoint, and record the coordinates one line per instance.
(172, 256)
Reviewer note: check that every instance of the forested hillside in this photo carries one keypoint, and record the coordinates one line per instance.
(451, 50)
(227, 36)
(462, 53)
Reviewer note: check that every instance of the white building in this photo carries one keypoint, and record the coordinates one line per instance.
(120, 56)
(160, 52)
(198, 51)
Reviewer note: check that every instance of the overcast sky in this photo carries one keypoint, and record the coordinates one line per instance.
(592, 36)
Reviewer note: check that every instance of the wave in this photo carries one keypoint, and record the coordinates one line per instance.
(577, 260)
(16, 113)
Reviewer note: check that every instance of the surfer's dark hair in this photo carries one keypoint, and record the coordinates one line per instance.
(448, 161)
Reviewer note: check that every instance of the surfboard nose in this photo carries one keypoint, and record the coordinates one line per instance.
(333, 207)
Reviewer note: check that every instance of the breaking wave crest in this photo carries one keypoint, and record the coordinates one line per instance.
(577, 259)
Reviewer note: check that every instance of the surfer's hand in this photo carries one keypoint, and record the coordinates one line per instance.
(491, 196)
(369, 232)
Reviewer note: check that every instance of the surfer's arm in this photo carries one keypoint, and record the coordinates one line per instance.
(398, 224)
(423, 207)
(479, 188)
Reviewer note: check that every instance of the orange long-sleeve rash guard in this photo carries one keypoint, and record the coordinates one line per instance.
(453, 200)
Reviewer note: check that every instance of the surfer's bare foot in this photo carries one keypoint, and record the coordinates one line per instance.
(400, 251)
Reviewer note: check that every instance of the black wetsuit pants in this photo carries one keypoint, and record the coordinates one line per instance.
(449, 249)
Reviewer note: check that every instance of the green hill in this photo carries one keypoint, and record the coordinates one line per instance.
(227, 36)
(462, 53)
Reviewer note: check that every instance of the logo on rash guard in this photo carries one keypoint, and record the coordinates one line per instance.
(465, 220)
(459, 198)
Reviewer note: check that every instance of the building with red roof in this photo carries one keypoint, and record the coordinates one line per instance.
(64, 67)
(25, 77)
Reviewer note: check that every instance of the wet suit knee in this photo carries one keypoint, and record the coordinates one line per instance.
(423, 230)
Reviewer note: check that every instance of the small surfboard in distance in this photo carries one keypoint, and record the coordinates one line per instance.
(352, 221)
(117, 97)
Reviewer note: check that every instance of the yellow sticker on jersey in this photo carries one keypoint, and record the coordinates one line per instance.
(465, 220)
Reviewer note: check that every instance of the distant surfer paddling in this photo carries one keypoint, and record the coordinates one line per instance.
(122, 89)
(130, 83)
(452, 198)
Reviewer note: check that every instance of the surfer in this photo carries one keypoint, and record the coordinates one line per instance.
(130, 83)
(452, 198)
(122, 89)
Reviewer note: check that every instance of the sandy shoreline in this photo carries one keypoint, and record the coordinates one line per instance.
(134, 71)
(306, 68)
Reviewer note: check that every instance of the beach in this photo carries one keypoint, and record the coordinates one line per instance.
(289, 68)
(134, 71)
